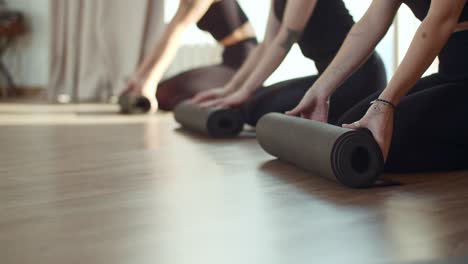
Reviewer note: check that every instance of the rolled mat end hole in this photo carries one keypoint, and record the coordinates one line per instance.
(360, 160)
(143, 104)
(225, 123)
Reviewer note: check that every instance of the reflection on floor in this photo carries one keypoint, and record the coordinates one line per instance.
(80, 184)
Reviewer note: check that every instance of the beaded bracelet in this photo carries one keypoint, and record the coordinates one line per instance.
(393, 106)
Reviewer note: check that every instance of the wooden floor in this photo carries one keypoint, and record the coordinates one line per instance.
(79, 184)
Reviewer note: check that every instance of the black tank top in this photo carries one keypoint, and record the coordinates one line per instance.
(420, 8)
(453, 62)
(222, 19)
(325, 31)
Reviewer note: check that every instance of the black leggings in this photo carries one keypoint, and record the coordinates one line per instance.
(187, 84)
(284, 96)
(431, 126)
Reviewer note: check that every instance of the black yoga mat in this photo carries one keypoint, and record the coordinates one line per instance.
(214, 122)
(134, 104)
(351, 157)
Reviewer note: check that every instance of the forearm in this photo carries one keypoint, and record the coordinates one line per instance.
(249, 65)
(161, 56)
(426, 45)
(281, 39)
(356, 49)
(252, 61)
(358, 45)
(270, 60)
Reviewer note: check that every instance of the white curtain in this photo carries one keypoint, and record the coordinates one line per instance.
(95, 44)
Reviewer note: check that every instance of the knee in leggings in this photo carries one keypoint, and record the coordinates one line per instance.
(164, 97)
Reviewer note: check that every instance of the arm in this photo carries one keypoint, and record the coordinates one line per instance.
(159, 59)
(430, 38)
(252, 61)
(296, 16)
(273, 52)
(427, 43)
(210, 97)
(357, 47)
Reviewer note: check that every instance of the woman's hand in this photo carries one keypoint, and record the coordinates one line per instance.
(131, 86)
(314, 106)
(379, 120)
(209, 95)
(234, 99)
(136, 88)
(150, 94)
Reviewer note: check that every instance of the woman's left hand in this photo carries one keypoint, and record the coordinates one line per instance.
(379, 120)
(234, 99)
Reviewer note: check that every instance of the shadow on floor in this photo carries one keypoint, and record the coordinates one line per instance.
(245, 135)
(428, 184)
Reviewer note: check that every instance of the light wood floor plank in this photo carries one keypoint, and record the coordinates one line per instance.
(79, 184)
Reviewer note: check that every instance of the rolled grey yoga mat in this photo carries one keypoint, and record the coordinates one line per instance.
(134, 104)
(351, 157)
(214, 122)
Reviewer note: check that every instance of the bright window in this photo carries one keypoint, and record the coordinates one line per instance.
(296, 65)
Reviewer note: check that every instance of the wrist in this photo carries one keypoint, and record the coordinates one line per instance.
(250, 87)
(132, 79)
(385, 103)
(322, 92)
(389, 97)
(321, 95)
(246, 91)
(228, 89)
(381, 107)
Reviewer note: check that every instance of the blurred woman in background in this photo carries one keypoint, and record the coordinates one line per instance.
(225, 21)
(319, 27)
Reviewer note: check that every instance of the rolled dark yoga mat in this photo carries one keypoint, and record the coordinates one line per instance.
(351, 157)
(134, 104)
(214, 122)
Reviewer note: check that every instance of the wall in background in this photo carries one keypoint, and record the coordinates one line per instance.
(28, 59)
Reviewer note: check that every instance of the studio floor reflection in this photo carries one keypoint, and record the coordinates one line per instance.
(80, 184)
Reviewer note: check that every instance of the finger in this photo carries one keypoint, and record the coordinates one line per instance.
(192, 100)
(200, 98)
(206, 104)
(354, 125)
(210, 103)
(348, 126)
(230, 103)
(385, 148)
(223, 103)
(295, 112)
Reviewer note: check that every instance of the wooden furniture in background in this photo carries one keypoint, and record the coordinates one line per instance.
(11, 26)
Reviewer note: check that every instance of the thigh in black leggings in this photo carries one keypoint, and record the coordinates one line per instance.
(185, 85)
(430, 131)
(277, 98)
(284, 96)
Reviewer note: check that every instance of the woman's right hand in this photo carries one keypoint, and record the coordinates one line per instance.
(209, 95)
(314, 105)
(131, 86)
(136, 88)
